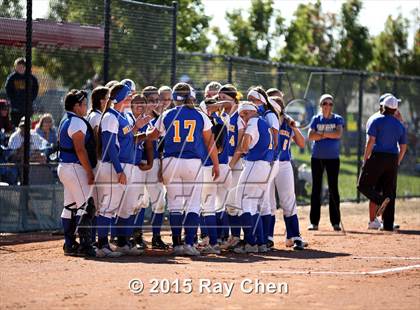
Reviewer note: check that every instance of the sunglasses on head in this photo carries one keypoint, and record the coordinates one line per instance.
(328, 103)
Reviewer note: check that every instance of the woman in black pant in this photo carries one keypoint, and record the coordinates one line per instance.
(325, 130)
(384, 152)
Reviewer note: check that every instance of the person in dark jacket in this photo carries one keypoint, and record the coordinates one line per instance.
(15, 90)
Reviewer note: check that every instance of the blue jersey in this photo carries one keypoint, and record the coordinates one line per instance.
(326, 148)
(389, 132)
(68, 127)
(155, 143)
(183, 128)
(117, 123)
(138, 150)
(285, 137)
(273, 122)
(233, 133)
(261, 147)
(224, 154)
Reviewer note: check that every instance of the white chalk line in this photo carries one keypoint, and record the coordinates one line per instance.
(349, 273)
(387, 257)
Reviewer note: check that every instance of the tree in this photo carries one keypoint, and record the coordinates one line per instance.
(309, 38)
(390, 48)
(251, 36)
(355, 49)
(10, 9)
(140, 40)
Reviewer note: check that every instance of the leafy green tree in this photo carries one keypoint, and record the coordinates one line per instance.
(309, 38)
(250, 36)
(140, 40)
(390, 47)
(355, 48)
(10, 9)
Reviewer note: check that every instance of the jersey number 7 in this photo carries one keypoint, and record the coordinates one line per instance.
(187, 124)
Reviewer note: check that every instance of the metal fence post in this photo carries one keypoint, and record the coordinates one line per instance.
(323, 83)
(279, 77)
(395, 86)
(230, 69)
(174, 49)
(107, 24)
(359, 130)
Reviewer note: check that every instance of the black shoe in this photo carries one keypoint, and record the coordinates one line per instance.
(86, 251)
(157, 243)
(337, 227)
(139, 242)
(270, 244)
(298, 245)
(70, 250)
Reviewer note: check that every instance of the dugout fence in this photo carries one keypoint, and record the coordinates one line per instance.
(84, 44)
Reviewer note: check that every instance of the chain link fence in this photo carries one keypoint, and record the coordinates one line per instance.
(84, 44)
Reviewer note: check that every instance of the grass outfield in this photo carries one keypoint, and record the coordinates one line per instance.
(408, 185)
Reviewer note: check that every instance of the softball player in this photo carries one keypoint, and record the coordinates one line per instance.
(185, 129)
(165, 98)
(284, 181)
(76, 174)
(143, 149)
(230, 96)
(257, 145)
(214, 193)
(269, 110)
(99, 99)
(155, 191)
(115, 173)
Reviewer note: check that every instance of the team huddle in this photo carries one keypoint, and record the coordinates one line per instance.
(216, 166)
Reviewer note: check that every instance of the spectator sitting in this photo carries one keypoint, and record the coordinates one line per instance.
(5, 122)
(38, 144)
(45, 128)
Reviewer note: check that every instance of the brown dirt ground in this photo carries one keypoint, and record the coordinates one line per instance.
(36, 275)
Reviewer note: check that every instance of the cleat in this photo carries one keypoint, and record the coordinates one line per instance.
(190, 250)
(139, 242)
(179, 250)
(107, 252)
(231, 243)
(87, 251)
(211, 249)
(245, 249)
(290, 242)
(298, 245)
(128, 250)
(70, 250)
(270, 244)
(375, 224)
(157, 243)
(383, 206)
(336, 227)
(262, 248)
(203, 242)
(313, 227)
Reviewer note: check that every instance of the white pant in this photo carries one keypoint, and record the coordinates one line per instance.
(285, 184)
(114, 200)
(135, 192)
(269, 202)
(231, 206)
(76, 187)
(252, 185)
(214, 193)
(183, 180)
(155, 191)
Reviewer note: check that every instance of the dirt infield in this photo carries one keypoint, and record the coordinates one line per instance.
(358, 270)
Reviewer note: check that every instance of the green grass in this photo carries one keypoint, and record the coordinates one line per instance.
(408, 185)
